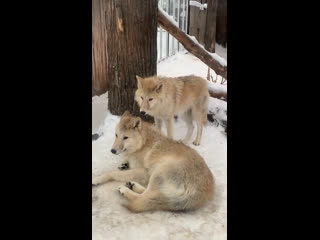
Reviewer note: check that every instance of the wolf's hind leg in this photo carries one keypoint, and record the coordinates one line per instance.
(187, 117)
(128, 193)
(198, 117)
(136, 187)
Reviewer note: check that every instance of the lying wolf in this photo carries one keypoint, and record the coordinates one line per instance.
(176, 176)
(163, 97)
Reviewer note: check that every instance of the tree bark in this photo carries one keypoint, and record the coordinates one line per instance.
(99, 45)
(191, 46)
(131, 49)
(210, 29)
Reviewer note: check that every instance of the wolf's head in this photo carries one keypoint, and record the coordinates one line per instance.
(128, 136)
(148, 94)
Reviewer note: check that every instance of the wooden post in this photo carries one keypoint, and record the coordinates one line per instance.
(221, 31)
(197, 22)
(210, 29)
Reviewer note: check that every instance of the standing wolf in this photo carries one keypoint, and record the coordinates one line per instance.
(163, 98)
(176, 176)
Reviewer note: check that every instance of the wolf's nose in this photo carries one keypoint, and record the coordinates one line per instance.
(113, 151)
(143, 112)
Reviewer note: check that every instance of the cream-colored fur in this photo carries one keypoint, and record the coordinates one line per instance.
(164, 97)
(176, 176)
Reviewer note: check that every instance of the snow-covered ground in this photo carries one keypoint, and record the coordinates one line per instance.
(110, 220)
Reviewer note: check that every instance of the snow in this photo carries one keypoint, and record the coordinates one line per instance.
(218, 108)
(185, 63)
(110, 220)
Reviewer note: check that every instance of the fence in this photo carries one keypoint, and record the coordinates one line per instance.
(197, 21)
(167, 45)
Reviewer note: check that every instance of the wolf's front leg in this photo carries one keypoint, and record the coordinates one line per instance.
(158, 123)
(124, 166)
(137, 174)
(169, 124)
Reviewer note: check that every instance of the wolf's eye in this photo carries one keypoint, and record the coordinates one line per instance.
(116, 135)
(142, 98)
(150, 99)
(125, 138)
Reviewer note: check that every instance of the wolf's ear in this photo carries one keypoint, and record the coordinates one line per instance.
(158, 88)
(137, 123)
(126, 113)
(139, 80)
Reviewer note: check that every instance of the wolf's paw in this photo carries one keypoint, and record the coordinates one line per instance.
(124, 166)
(185, 142)
(130, 185)
(122, 189)
(96, 181)
(196, 143)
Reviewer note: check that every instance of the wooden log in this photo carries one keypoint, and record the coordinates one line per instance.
(219, 95)
(189, 44)
(217, 91)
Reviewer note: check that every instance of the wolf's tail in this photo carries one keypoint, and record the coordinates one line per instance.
(148, 202)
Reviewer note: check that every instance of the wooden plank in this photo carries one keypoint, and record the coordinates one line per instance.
(210, 29)
(221, 34)
(197, 23)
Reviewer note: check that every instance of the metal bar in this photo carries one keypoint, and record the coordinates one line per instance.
(184, 13)
(161, 4)
(168, 1)
(173, 15)
(179, 7)
(187, 13)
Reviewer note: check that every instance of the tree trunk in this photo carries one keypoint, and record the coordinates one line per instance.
(210, 29)
(99, 58)
(131, 27)
(191, 45)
